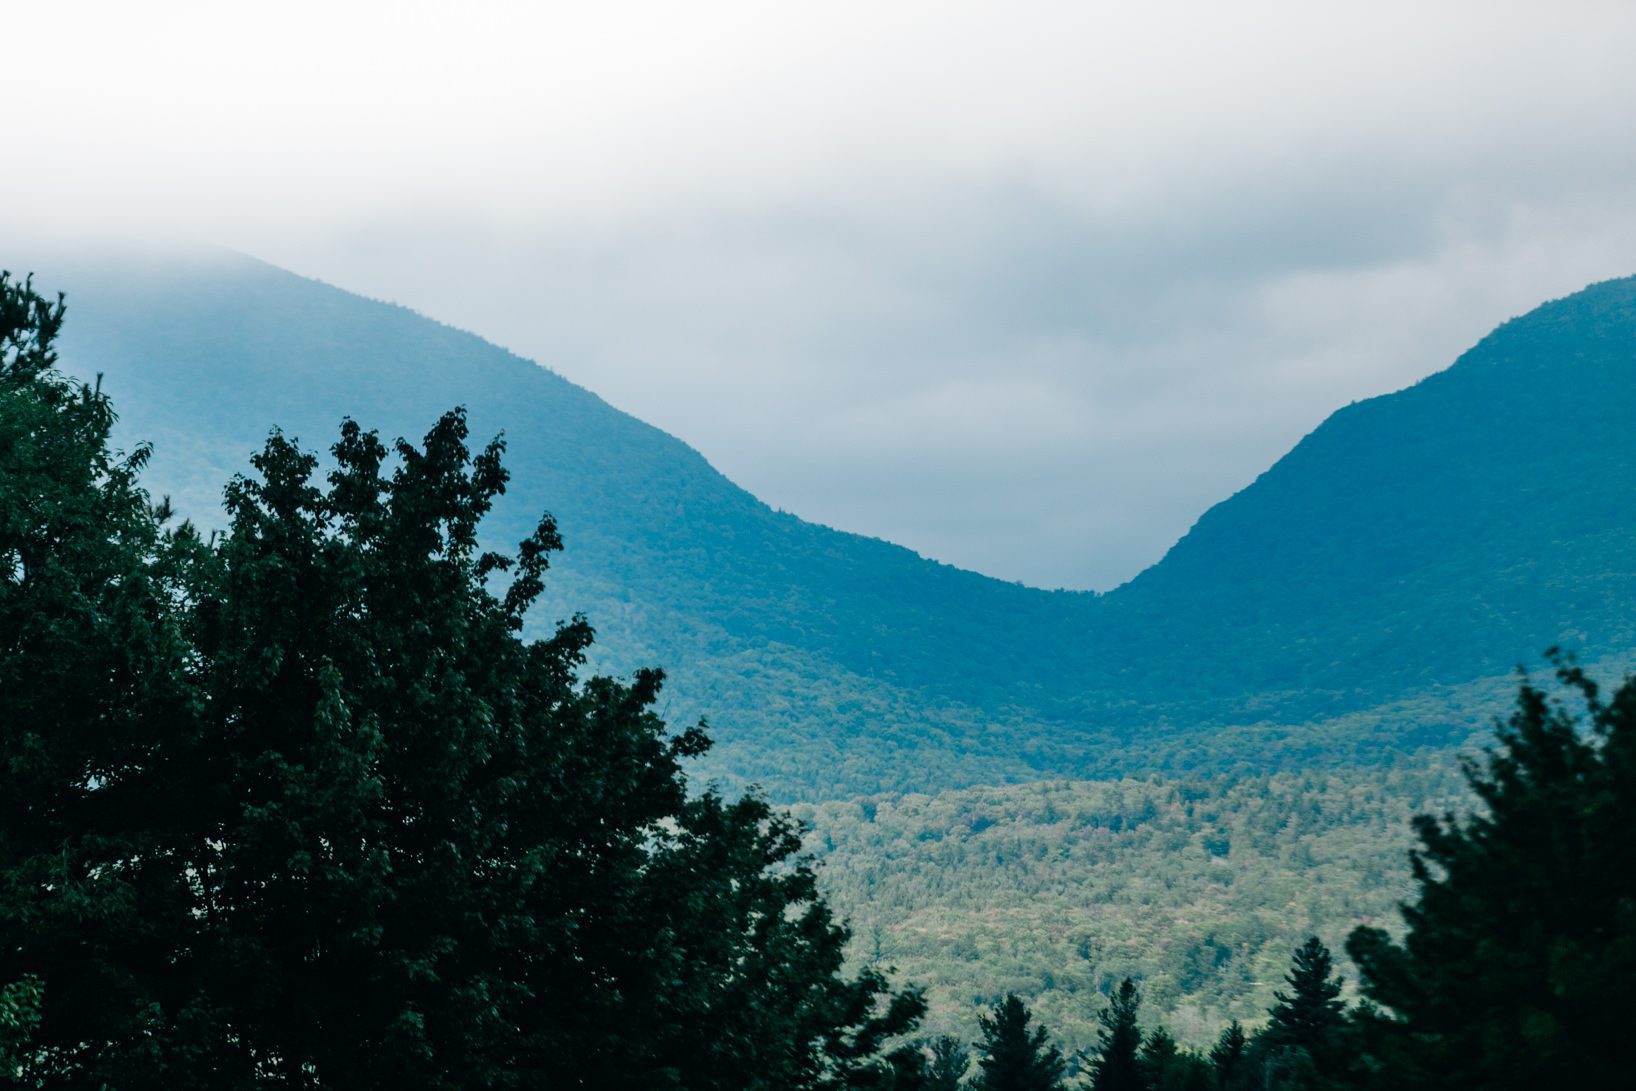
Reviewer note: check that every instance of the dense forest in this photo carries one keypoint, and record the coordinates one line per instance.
(1514, 965)
(308, 801)
(1197, 887)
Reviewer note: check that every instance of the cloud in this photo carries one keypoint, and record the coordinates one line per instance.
(1025, 288)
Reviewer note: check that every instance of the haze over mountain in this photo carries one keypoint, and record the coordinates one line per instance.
(870, 258)
(1411, 549)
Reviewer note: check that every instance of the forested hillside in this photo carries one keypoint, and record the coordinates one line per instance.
(1448, 531)
(1372, 590)
(817, 655)
(1199, 888)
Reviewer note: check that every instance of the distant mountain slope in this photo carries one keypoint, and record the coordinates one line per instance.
(1413, 543)
(783, 631)
(1447, 531)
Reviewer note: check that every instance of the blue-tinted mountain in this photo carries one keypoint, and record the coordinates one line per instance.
(1411, 548)
(1450, 530)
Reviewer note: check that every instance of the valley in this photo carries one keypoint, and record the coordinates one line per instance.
(1008, 788)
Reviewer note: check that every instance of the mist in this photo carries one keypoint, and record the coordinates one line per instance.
(1024, 290)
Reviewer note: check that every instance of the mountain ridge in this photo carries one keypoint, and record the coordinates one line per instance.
(833, 663)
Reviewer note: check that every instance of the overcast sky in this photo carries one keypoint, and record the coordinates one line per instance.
(1023, 286)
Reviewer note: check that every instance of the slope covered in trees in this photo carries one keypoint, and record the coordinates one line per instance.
(1451, 530)
(799, 641)
(295, 805)
(1199, 888)
(1376, 577)
(1513, 964)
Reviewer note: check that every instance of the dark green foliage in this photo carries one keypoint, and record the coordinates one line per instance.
(950, 1058)
(1272, 1067)
(1157, 1056)
(29, 325)
(1227, 1055)
(1380, 562)
(1518, 969)
(1013, 1057)
(937, 1064)
(1310, 1015)
(1306, 1042)
(1165, 1066)
(1159, 1046)
(299, 808)
(1118, 1064)
(19, 1015)
(93, 695)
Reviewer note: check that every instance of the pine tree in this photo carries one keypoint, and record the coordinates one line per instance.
(1165, 1066)
(1157, 1056)
(1227, 1055)
(1310, 1015)
(1013, 1058)
(1518, 968)
(1117, 1066)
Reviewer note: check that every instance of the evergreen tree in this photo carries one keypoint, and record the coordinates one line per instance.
(949, 1061)
(1189, 1071)
(1013, 1057)
(1311, 1014)
(1117, 1066)
(1165, 1066)
(1227, 1055)
(1518, 969)
(299, 808)
(1157, 1056)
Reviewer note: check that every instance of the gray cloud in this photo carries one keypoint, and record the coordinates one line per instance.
(1025, 290)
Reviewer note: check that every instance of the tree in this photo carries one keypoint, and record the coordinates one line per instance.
(1165, 1066)
(19, 1014)
(1117, 1066)
(1158, 1054)
(1304, 1041)
(297, 807)
(938, 1064)
(1013, 1058)
(949, 1060)
(93, 694)
(1518, 967)
(1227, 1055)
(1311, 1014)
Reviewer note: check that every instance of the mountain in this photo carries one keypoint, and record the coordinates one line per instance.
(1451, 530)
(1365, 592)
